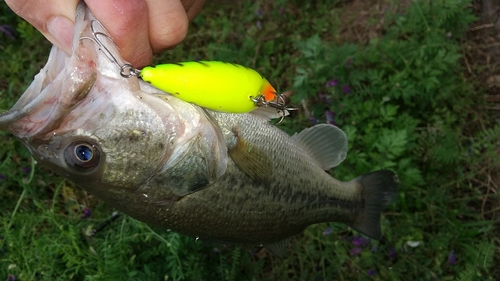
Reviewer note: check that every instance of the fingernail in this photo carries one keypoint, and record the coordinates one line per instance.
(61, 30)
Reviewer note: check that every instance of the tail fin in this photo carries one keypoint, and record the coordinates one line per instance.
(378, 189)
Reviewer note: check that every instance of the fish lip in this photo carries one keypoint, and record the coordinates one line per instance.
(61, 83)
(29, 100)
(8, 118)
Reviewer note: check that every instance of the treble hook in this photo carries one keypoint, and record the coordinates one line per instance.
(279, 103)
(126, 70)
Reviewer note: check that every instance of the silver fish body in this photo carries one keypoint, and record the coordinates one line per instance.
(217, 176)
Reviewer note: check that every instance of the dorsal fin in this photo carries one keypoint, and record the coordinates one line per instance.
(326, 143)
(269, 113)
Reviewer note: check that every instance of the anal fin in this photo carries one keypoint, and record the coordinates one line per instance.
(277, 248)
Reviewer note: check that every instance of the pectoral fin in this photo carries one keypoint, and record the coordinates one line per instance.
(251, 161)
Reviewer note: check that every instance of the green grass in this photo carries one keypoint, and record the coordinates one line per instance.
(401, 97)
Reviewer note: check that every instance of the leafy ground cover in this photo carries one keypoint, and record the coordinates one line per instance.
(413, 85)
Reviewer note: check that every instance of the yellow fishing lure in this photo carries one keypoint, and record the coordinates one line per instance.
(214, 85)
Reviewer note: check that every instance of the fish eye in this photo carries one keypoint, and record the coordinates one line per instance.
(82, 155)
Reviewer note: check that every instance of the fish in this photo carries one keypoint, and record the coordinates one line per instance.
(217, 176)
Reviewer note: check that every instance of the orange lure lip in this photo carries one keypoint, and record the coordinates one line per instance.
(268, 92)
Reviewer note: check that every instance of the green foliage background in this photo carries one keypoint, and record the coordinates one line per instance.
(401, 98)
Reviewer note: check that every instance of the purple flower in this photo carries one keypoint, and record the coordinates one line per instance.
(259, 24)
(360, 241)
(27, 169)
(8, 30)
(332, 83)
(313, 120)
(3, 177)
(258, 13)
(355, 251)
(348, 62)
(392, 253)
(346, 89)
(11, 277)
(371, 272)
(325, 98)
(329, 117)
(452, 259)
(86, 213)
(327, 231)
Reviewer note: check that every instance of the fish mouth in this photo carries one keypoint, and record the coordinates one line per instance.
(64, 81)
(35, 94)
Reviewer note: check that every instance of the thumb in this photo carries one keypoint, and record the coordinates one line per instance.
(55, 20)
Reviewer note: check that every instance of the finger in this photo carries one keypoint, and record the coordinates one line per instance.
(192, 7)
(55, 20)
(127, 23)
(168, 23)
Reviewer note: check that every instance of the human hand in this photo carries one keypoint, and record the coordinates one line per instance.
(139, 27)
